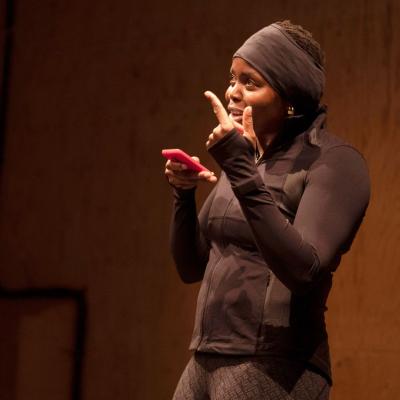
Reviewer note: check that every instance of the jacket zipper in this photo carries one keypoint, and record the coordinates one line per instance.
(212, 272)
(206, 297)
(267, 283)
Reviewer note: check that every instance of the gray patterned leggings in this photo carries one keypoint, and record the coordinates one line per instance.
(222, 377)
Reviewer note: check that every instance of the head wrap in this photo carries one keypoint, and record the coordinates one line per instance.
(287, 68)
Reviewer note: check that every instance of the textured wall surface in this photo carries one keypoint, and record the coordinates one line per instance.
(97, 89)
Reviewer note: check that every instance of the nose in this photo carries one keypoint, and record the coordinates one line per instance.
(234, 92)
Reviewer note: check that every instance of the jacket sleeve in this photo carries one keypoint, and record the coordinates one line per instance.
(331, 209)
(189, 246)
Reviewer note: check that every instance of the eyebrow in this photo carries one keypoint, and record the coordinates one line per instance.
(251, 74)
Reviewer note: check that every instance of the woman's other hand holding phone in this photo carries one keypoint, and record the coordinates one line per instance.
(181, 177)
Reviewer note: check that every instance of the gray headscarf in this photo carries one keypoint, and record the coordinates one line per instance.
(287, 68)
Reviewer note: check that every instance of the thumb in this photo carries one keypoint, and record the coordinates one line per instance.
(248, 121)
(248, 126)
(239, 127)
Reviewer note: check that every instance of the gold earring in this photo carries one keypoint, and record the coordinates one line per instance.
(290, 111)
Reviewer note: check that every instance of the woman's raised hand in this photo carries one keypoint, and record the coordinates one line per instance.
(226, 124)
(180, 176)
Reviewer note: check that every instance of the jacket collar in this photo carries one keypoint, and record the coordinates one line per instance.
(310, 126)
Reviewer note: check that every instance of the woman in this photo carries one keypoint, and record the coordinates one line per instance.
(289, 201)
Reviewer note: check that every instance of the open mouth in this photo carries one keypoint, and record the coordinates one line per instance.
(236, 116)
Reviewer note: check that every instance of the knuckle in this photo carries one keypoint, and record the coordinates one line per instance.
(227, 127)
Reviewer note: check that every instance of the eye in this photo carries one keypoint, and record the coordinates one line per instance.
(232, 79)
(250, 83)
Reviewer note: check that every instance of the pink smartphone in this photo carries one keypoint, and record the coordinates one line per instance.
(180, 156)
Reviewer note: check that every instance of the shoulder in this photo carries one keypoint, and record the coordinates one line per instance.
(339, 162)
(333, 148)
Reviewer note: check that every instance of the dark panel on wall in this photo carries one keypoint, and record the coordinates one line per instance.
(37, 343)
(6, 42)
(97, 90)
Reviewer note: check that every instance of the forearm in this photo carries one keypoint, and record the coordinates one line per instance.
(329, 211)
(188, 245)
(293, 260)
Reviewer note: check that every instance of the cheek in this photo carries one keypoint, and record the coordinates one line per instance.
(267, 106)
(260, 118)
(267, 115)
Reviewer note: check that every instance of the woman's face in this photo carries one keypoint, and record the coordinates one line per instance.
(248, 88)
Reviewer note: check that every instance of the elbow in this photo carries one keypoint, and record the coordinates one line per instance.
(306, 278)
(190, 274)
(185, 278)
(300, 286)
(309, 273)
(190, 269)
(190, 280)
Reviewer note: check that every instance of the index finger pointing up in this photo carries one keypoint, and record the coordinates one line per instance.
(219, 110)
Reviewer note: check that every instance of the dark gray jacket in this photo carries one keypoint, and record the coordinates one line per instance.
(267, 240)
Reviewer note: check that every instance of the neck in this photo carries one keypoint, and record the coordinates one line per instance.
(265, 140)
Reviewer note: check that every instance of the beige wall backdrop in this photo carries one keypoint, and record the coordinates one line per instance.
(97, 89)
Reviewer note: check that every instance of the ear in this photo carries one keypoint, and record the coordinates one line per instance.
(288, 110)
